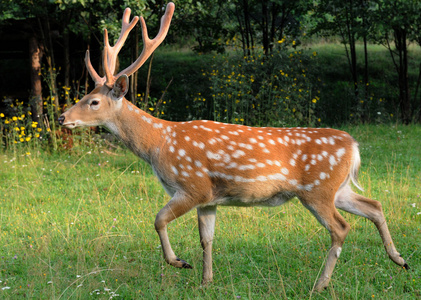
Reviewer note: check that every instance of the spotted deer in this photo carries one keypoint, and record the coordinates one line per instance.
(203, 164)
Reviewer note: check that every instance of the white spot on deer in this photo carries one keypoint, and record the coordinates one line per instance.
(324, 140)
(261, 165)
(185, 174)
(285, 171)
(147, 120)
(200, 145)
(338, 252)
(306, 167)
(233, 132)
(230, 147)
(188, 158)
(292, 162)
(286, 138)
(181, 152)
(308, 187)
(276, 176)
(324, 153)
(269, 162)
(271, 142)
(195, 127)
(197, 163)
(247, 146)
(331, 141)
(280, 141)
(332, 160)
(313, 162)
(304, 157)
(187, 138)
(322, 175)
(262, 145)
(157, 125)
(212, 141)
(319, 157)
(277, 163)
(174, 169)
(318, 141)
(253, 160)
(232, 165)
(238, 153)
(266, 150)
(205, 128)
(198, 173)
(253, 140)
(212, 155)
(129, 107)
(316, 182)
(227, 158)
(168, 128)
(246, 167)
(172, 149)
(261, 178)
(225, 137)
(340, 152)
(260, 137)
(292, 182)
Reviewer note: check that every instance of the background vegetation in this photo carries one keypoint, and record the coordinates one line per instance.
(270, 48)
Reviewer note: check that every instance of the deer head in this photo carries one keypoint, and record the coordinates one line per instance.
(100, 106)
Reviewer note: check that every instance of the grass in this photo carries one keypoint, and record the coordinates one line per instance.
(79, 225)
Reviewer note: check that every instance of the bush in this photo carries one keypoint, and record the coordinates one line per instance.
(276, 90)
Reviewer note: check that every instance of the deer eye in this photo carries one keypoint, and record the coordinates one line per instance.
(95, 102)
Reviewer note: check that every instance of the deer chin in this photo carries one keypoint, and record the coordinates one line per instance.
(74, 124)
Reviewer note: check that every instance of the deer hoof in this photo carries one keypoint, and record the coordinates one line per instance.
(183, 264)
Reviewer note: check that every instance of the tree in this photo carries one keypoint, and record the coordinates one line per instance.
(350, 20)
(397, 23)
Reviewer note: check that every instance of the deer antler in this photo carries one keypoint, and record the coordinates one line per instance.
(149, 45)
(111, 53)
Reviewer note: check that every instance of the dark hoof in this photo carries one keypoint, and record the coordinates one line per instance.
(406, 267)
(184, 264)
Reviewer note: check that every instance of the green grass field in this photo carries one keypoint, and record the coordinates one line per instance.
(80, 225)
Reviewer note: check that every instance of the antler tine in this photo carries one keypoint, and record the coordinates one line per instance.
(94, 75)
(111, 53)
(149, 45)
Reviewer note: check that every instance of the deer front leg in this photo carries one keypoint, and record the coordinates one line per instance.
(206, 217)
(177, 207)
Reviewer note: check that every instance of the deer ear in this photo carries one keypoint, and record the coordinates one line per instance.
(120, 88)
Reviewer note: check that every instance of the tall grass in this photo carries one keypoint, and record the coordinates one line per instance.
(78, 224)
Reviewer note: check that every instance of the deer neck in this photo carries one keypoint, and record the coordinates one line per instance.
(139, 131)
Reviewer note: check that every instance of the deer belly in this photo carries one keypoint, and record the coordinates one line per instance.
(250, 199)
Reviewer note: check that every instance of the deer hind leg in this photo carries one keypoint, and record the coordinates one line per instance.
(206, 217)
(329, 217)
(178, 206)
(356, 204)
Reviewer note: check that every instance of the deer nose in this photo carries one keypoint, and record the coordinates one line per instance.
(61, 120)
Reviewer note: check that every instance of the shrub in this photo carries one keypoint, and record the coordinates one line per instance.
(276, 90)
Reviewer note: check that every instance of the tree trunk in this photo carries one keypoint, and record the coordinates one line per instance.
(265, 28)
(404, 96)
(35, 52)
(66, 67)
